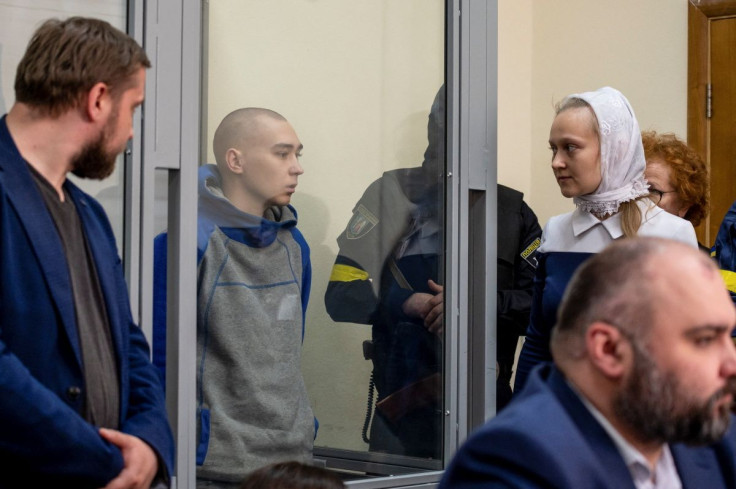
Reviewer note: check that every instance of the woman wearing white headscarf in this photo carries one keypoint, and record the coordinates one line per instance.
(598, 160)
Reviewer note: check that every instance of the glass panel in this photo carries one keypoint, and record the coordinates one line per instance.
(160, 243)
(356, 81)
(161, 200)
(18, 20)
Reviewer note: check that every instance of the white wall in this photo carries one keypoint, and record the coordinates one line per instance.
(356, 79)
(514, 94)
(554, 48)
(18, 20)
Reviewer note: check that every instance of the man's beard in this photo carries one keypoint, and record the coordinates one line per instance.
(656, 406)
(94, 161)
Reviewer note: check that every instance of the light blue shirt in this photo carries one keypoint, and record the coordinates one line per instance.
(664, 475)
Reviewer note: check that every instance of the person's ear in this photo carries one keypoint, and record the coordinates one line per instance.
(234, 160)
(98, 102)
(609, 350)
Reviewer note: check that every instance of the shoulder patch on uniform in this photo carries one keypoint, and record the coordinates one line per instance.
(529, 254)
(361, 223)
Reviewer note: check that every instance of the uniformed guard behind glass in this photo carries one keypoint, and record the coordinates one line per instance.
(388, 273)
(253, 281)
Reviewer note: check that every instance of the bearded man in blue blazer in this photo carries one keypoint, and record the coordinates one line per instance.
(80, 402)
(641, 389)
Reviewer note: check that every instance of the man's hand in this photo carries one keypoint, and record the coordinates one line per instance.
(428, 307)
(140, 460)
(434, 320)
(417, 305)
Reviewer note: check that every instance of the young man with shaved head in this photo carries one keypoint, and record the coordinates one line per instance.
(254, 278)
(641, 389)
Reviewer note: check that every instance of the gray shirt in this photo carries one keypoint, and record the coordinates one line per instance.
(102, 385)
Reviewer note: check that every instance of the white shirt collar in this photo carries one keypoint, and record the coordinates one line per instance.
(582, 221)
(665, 473)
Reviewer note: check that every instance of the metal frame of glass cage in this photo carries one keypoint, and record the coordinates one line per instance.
(172, 34)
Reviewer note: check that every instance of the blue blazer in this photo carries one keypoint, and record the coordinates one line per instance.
(546, 438)
(44, 440)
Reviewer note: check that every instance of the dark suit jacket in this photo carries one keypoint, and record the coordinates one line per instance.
(547, 438)
(44, 441)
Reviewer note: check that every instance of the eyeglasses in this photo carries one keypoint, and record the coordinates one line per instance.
(656, 194)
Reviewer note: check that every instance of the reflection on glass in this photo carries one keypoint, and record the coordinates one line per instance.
(110, 193)
(160, 243)
(387, 274)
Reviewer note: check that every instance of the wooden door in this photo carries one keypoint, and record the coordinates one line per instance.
(712, 102)
(722, 120)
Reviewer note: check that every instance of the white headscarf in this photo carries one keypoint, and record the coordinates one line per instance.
(622, 153)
